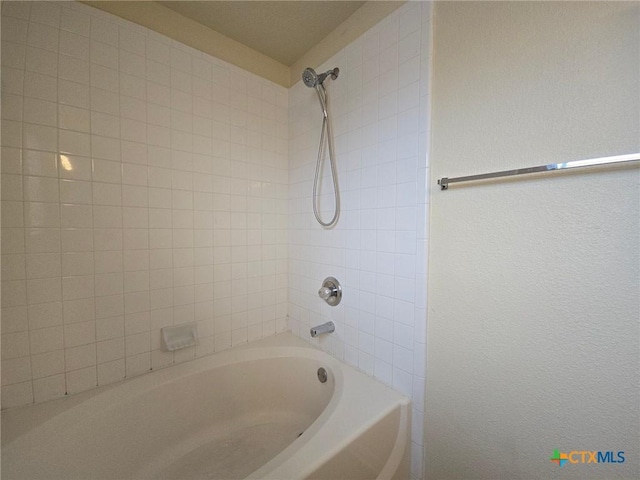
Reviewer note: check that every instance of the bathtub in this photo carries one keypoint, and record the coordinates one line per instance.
(256, 412)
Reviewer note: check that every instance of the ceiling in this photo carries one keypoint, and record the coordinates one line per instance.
(282, 30)
(273, 39)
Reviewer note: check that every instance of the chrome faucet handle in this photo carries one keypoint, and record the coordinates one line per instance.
(331, 291)
(325, 293)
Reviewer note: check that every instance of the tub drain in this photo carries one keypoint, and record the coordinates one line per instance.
(322, 375)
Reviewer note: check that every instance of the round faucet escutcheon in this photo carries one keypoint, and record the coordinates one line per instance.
(331, 291)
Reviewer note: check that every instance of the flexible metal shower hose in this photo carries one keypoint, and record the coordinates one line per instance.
(326, 131)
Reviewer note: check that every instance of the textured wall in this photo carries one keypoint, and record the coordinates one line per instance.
(144, 184)
(379, 109)
(533, 283)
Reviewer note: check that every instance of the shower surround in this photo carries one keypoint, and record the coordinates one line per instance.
(147, 184)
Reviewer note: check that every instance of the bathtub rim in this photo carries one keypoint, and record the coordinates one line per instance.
(19, 421)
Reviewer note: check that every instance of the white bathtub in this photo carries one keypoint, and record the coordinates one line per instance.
(257, 412)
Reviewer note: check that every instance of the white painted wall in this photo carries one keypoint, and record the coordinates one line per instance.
(533, 336)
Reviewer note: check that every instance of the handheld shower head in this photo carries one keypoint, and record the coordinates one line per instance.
(311, 79)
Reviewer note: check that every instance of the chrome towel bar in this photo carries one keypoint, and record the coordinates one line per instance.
(592, 162)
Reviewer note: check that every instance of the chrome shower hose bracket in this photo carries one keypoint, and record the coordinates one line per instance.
(331, 291)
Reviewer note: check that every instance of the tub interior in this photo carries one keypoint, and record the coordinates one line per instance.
(232, 453)
(264, 407)
(221, 423)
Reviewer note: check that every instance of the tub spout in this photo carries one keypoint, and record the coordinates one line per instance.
(328, 327)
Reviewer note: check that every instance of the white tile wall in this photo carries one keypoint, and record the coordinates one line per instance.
(379, 106)
(144, 184)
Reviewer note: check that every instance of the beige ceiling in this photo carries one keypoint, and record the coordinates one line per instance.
(282, 30)
(273, 39)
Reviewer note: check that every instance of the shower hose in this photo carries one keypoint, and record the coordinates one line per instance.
(326, 132)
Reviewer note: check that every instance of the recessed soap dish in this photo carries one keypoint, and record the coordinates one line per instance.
(180, 336)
